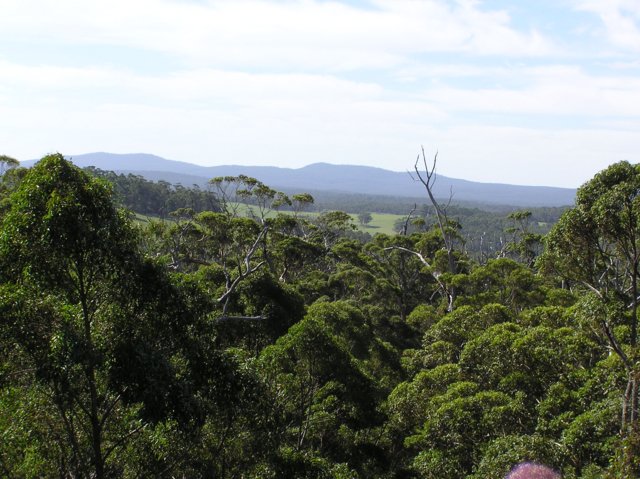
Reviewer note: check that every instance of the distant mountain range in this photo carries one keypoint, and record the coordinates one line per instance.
(331, 178)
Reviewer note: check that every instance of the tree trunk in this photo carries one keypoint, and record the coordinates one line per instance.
(630, 433)
(443, 221)
(94, 406)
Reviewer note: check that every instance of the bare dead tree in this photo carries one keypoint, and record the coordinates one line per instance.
(428, 179)
(405, 227)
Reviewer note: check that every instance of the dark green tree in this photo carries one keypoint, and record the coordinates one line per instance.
(524, 245)
(365, 218)
(326, 399)
(595, 248)
(105, 342)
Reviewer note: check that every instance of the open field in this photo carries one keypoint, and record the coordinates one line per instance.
(381, 222)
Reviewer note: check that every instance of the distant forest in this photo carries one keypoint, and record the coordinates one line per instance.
(485, 229)
(239, 333)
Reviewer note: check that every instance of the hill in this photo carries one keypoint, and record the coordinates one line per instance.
(327, 177)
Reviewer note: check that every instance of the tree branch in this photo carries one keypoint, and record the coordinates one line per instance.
(122, 440)
(243, 274)
(615, 345)
(405, 228)
(424, 261)
(241, 318)
(428, 180)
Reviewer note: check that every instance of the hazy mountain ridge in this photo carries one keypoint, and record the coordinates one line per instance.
(328, 177)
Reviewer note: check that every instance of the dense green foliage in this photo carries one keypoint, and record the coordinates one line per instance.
(155, 198)
(240, 342)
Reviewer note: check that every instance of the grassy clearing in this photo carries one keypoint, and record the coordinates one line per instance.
(380, 223)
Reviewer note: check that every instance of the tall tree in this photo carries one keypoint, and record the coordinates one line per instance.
(105, 334)
(596, 246)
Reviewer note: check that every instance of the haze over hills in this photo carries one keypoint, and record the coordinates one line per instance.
(328, 177)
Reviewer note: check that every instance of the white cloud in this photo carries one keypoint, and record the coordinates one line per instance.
(300, 34)
(51, 77)
(621, 20)
(554, 157)
(204, 87)
(550, 90)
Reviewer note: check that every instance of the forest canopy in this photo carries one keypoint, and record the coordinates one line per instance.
(257, 341)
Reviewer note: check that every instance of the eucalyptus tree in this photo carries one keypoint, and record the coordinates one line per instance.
(330, 226)
(325, 399)
(106, 339)
(502, 281)
(596, 247)
(247, 237)
(258, 199)
(525, 245)
(10, 176)
(7, 163)
(385, 272)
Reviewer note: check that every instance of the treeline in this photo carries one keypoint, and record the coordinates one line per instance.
(485, 231)
(159, 198)
(360, 203)
(247, 343)
(483, 234)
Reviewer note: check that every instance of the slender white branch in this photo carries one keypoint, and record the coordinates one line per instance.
(249, 270)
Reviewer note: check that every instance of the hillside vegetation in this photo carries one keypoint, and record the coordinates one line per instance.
(247, 336)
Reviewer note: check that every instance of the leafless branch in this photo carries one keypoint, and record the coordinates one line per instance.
(424, 261)
(428, 181)
(406, 222)
(222, 319)
(110, 408)
(428, 178)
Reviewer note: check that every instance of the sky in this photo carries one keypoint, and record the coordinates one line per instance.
(543, 92)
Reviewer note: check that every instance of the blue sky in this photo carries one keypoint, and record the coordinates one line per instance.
(544, 92)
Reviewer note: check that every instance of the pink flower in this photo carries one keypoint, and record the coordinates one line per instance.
(530, 470)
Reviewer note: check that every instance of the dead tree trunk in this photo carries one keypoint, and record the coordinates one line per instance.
(428, 179)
